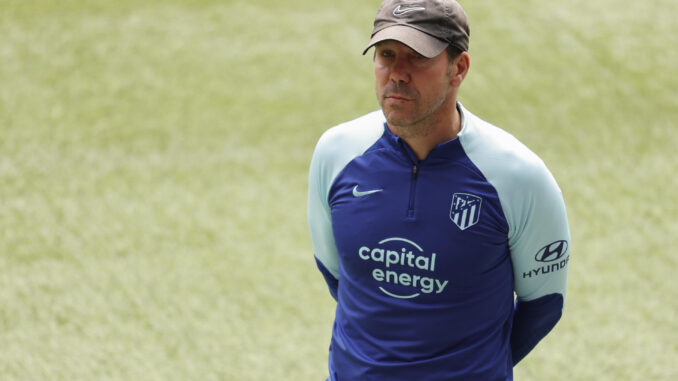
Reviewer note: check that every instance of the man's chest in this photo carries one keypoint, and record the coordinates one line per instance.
(423, 230)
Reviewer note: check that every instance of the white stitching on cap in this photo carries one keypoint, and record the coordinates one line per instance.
(397, 12)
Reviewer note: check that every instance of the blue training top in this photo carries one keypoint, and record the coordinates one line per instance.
(424, 256)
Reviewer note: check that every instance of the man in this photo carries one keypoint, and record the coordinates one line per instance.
(425, 219)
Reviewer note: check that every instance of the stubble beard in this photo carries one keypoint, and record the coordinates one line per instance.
(414, 124)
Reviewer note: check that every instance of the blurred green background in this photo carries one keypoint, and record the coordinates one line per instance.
(153, 163)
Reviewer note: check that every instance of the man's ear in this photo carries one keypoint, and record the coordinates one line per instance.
(459, 69)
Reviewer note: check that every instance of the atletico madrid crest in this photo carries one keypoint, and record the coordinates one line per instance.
(465, 210)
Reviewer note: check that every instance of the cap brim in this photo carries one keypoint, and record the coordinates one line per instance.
(420, 42)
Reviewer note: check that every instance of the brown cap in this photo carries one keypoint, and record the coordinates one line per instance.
(426, 26)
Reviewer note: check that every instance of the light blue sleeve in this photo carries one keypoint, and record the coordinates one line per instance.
(539, 241)
(335, 149)
(539, 237)
(319, 214)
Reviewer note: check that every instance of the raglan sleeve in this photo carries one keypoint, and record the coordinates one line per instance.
(539, 242)
(319, 215)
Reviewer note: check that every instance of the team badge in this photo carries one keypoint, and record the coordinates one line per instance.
(465, 210)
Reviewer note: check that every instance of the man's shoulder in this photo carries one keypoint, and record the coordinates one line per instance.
(361, 128)
(518, 175)
(514, 170)
(351, 138)
(497, 150)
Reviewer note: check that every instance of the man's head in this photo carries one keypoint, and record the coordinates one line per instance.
(420, 60)
(426, 26)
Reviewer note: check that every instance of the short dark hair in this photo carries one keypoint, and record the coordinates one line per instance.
(453, 52)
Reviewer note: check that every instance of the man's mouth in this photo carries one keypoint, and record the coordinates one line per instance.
(397, 98)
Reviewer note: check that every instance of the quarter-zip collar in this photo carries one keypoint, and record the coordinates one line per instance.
(449, 150)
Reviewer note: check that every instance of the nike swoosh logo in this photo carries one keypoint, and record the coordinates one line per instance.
(357, 193)
(403, 11)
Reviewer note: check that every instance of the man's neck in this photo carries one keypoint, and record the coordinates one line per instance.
(428, 134)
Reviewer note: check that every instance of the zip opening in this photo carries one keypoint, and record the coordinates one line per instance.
(413, 189)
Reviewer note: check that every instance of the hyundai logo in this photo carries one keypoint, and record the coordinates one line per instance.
(552, 251)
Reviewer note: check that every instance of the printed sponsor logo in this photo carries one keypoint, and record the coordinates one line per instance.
(395, 259)
(465, 210)
(553, 255)
(552, 252)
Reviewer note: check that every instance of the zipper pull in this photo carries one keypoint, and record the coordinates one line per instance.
(414, 171)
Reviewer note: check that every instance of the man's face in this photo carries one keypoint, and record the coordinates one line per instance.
(410, 87)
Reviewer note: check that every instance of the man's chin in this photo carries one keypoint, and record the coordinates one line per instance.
(398, 118)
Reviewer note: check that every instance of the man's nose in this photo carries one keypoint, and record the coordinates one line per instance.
(400, 71)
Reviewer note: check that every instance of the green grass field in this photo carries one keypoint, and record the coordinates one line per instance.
(153, 163)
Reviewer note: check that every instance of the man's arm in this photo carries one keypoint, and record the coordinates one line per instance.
(538, 236)
(335, 149)
(332, 282)
(532, 321)
(319, 217)
(540, 252)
